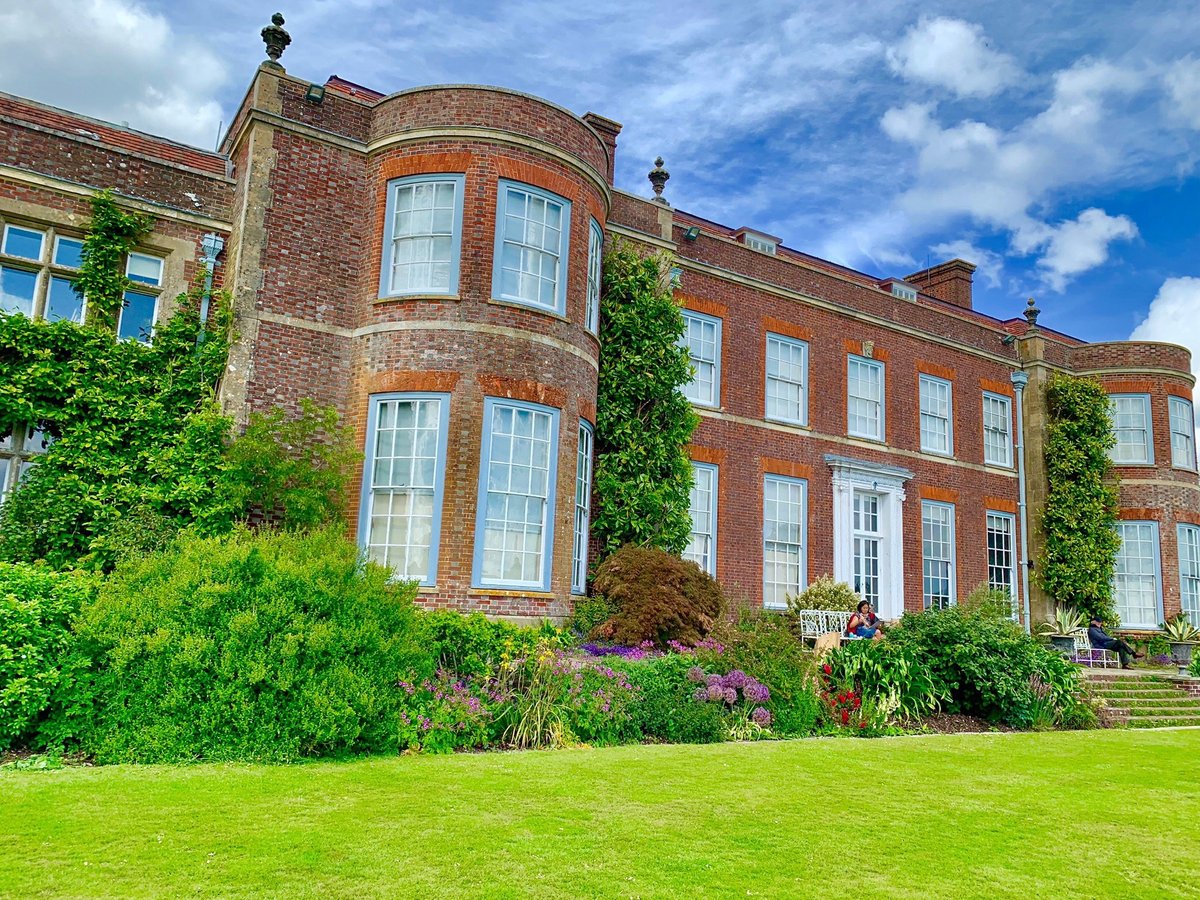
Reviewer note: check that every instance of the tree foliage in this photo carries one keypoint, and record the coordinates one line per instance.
(1079, 520)
(643, 422)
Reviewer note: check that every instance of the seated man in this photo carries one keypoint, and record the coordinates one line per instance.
(864, 623)
(1101, 640)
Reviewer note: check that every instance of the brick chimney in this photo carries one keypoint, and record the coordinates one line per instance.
(608, 131)
(949, 281)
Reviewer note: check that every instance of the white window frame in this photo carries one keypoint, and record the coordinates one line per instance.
(691, 390)
(583, 507)
(702, 543)
(491, 407)
(946, 510)
(20, 448)
(504, 190)
(760, 244)
(853, 361)
(387, 268)
(1002, 524)
(928, 387)
(595, 276)
(1005, 460)
(1146, 444)
(1183, 433)
(1188, 542)
(793, 346)
(46, 269)
(1156, 565)
(863, 537)
(776, 590)
(370, 488)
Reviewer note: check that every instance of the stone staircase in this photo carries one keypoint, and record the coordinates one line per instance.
(1144, 699)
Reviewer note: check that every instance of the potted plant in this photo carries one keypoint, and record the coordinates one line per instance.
(1182, 635)
(1061, 629)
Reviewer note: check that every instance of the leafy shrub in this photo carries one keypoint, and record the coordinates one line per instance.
(762, 645)
(982, 665)
(266, 646)
(293, 468)
(36, 606)
(446, 713)
(666, 711)
(740, 697)
(475, 646)
(989, 601)
(1194, 668)
(588, 614)
(890, 677)
(658, 597)
(825, 593)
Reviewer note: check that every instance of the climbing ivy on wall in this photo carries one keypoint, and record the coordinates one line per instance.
(112, 234)
(643, 477)
(1079, 520)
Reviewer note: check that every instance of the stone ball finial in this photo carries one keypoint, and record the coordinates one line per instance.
(1032, 313)
(276, 38)
(658, 179)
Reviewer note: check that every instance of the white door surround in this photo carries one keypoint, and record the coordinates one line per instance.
(887, 483)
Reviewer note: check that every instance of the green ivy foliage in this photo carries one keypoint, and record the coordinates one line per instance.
(643, 476)
(136, 429)
(113, 232)
(1076, 566)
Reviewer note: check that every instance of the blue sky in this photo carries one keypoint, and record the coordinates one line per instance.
(1055, 144)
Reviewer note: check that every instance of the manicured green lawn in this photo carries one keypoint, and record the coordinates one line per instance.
(1080, 814)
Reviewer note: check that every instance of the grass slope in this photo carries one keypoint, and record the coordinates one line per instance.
(966, 815)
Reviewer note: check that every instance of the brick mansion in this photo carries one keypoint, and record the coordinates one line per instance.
(428, 262)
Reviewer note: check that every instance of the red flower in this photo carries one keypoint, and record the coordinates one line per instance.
(827, 669)
(862, 724)
(857, 702)
(845, 717)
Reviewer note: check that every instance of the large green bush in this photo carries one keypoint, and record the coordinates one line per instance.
(825, 593)
(665, 711)
(474, 646)
(36, 606)
(658, 597)
(987, 666)
(268, 646)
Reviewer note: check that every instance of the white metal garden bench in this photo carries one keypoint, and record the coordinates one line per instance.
(816, 622)
(1086, 655)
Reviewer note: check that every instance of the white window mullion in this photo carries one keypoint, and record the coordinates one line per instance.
(702, 338)
(1136, 583)
(865, 398)
(937, 434)
(787, 380)
(424, 236)
(997, 430)
(1001, 553)
(1183, 433)
(1131, 426)
(937, 554)
(532, 228)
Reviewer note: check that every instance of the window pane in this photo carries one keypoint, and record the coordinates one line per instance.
(997, 439)
(1135, 576)
(935, 415)
(937, 554)
(865, 398)
(63, 302)
(787, 372)
(701, 337)
(137, 318)
(1183, 434)
(23, 242)
(1001, 558)
(583, 495)
(17, 288)
(532, 241)
(68, 252)
(1131, 425)
(144, 268)
(595, 277)
(1189, 571)
(700, 549)
(423, 237)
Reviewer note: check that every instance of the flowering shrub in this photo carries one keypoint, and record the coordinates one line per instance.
(740, 696)
(446, 713)
(665, 710)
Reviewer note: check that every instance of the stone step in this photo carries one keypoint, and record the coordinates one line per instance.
(1164, 722)
(1140, 695)
(1155, 702)
(1142, 712)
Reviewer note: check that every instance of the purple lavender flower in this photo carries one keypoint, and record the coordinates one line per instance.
(695, 674)
(761, 716)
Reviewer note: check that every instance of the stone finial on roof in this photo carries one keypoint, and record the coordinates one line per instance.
(1031, 314)
(658, 179)
(276, 38)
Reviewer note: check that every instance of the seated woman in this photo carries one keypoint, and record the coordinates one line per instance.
(864, 623)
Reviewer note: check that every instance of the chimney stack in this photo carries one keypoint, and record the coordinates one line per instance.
(949, 281)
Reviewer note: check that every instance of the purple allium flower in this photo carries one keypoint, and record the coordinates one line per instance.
(761, 716)
(730, 695)
(714, 680)
(756, 692)
(700, 695)
(736, 679)
(695, 674)
(716, 692)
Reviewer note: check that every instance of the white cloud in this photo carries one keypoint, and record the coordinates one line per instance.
(1183, 85)
(988, 264)
(1075, 246)
(1174, 316)
(952, 54)
(113, 60)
